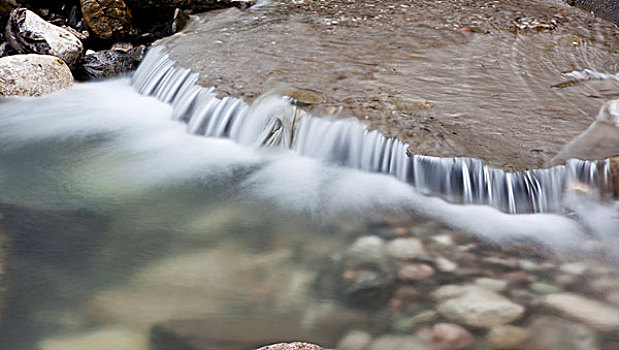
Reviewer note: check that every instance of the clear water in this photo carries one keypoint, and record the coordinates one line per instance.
(121, 219)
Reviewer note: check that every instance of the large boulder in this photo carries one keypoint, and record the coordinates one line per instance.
(108, 19)
(33, 75)
(29, 33)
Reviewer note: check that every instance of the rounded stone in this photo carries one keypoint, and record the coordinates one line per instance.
(33, 75)
(507, 337)
(413, 272)
(355, 340)
(405, 248)
(449, 336)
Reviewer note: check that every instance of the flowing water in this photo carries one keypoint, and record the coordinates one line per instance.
(141, 200)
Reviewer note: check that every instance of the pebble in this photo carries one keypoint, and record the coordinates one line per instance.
(481, 308)
(576, 268)
(355, 340)
(449, 291)
(492, 284)
(449, 336)
(445, 265)
(507, 337)
(596, 314)
(367, 248)
(413, 272)
(405, 249)
(443, 239)
(544, 288)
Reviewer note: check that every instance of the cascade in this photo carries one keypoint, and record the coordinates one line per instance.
(348, 142)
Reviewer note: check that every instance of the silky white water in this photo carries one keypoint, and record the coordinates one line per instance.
(124, 143)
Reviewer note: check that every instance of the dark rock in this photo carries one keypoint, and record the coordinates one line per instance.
(165, 8)
(109, 63)
(26, 32)
(6, 50)
(108, 19)
(181, 18)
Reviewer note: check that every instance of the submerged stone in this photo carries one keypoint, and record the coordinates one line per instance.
(33, 75)
(591, 312)
(101, 339)
(481, 308)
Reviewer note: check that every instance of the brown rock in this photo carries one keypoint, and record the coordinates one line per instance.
(413, 272)
(108, 19)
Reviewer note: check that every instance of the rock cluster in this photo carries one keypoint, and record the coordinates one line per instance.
(66, 29)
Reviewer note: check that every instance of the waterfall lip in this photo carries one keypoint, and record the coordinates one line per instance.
(349, 142)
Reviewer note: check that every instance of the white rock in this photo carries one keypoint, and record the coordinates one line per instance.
(60, 42)
(33, 75)
(479, 307)
(406, 248)
(443, 239)
(368, 248)
(596, 314)
(576, 268)
(102, 339)
(445, 265)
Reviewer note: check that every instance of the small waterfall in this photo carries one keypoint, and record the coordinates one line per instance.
(348, 142)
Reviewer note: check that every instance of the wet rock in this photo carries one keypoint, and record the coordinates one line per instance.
(576, 268)
(552, 333)
(414, 272)
(399, 342)
(368, 248)
(544, 288)
(491, 284)
(33, 75)
(102, 339)
(591, 312)
(165, 8)
(408, 324)
(109, 63)
(27, 33)
(481, 308)
(607, 9)
(355, 340)
(443, 239)
(181, 18)
(449, 336)
(449, 292)
(292, 346)
(445, 265)
(406, 249)
(107, 19)
(189, 286)
(507, 337)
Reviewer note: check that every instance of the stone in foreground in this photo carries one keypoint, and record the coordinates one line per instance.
(29, 33)
(591, 312)
(33, 75)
